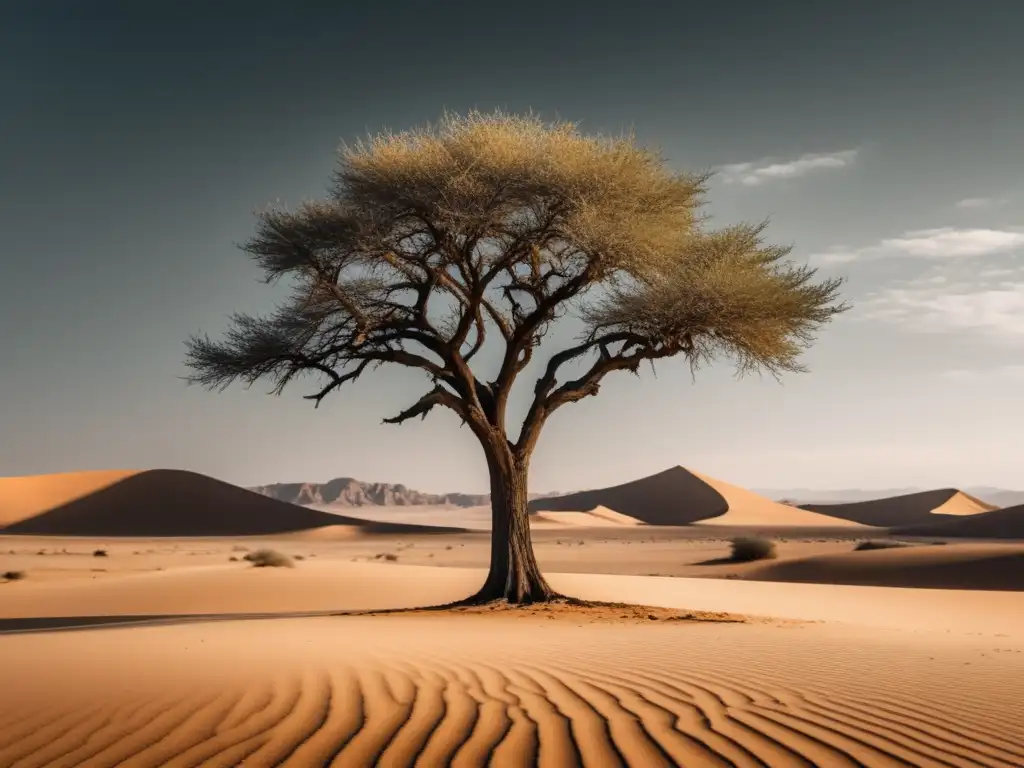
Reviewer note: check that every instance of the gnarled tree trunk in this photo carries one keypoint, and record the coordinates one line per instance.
(514, 574)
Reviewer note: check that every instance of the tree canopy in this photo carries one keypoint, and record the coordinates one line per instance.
(433, 238)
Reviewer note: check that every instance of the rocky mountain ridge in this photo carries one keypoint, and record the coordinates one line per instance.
(349, 492)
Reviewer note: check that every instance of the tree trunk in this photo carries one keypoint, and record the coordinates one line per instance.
(514, 574)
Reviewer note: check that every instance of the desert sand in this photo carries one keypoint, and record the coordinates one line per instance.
(174, 651)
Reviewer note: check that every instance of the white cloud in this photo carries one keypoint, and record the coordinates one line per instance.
(754, 173)
(981, 374)
(997, 312)
(997, 272)
(981, 202)
(942, 243)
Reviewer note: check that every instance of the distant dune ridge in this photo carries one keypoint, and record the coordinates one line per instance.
(179, 503)
(996, 497)
(679, 496)
(908, 509)
(1005, 523)
(161, 502)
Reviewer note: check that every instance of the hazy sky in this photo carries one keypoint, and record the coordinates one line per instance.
(884, 139)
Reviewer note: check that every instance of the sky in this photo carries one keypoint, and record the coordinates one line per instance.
(883, 140)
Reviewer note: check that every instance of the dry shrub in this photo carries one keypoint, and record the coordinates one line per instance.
(269, 558)
(870, 544)
(100, 553)
(746, 549)
(13, 575)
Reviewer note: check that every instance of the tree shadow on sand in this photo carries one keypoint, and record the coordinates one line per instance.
(563, 607)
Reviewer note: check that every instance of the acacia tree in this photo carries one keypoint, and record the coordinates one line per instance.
(492, 224)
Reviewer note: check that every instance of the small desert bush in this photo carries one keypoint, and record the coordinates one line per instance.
(13, 575)
(99, 553)
(299, 557)
(748, 548)
(389, 556)
(269, 558)
(879, 544)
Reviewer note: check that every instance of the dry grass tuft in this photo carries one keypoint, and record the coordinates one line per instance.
(864, 546)
(269, 558)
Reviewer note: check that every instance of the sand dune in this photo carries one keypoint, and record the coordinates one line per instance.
(25, 497)
(1005, 523)
(908, 509)
(956, 566)
(505, 689)
(747, 509)
(159, 502)
(598, 517)
(673, 497)
(679, 496)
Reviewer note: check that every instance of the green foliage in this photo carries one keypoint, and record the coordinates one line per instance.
(493, 223)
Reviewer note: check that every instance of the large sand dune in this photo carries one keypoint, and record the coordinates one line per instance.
(25, 497)
(673, 497)
(1005, 523)
(746, 509)
(160, 502)
(908, 509)
(956, 566)
(550, 689)
(679, 496)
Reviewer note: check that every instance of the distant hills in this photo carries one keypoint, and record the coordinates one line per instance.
(349, 492)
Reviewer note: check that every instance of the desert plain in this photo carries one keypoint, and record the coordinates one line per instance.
(134, 631)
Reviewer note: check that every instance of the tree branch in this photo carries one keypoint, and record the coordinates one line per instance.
(547, 398)
(337, 380)
(437, 396)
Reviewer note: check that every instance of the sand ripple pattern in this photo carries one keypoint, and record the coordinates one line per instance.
(485, 693)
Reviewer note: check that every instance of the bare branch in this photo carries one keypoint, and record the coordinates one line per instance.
(632, 351)
(336, 381)
(437, 396)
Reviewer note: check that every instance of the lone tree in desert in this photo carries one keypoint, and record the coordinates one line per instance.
(483, 231)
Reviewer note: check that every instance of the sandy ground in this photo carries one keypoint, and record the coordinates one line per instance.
(166, 653)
